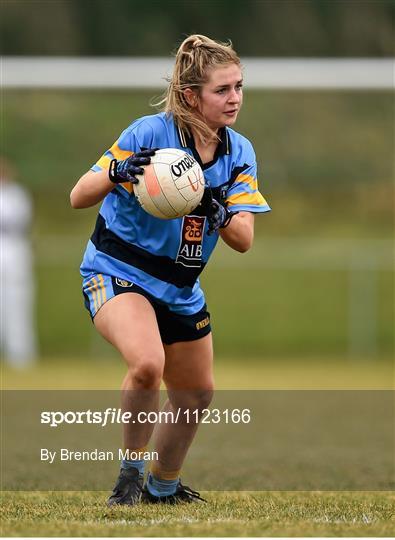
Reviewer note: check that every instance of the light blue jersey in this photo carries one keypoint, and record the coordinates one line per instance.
(165, 257)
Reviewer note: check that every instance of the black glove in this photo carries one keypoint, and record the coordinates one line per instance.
(126, 170)
(218, 216)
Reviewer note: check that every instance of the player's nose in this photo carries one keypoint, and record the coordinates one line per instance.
(234, 96)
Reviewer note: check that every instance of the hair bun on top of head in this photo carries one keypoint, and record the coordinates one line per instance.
(197, 43)
(193, 42)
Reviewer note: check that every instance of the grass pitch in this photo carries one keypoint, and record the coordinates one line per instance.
(225, 514)
(330, 373)
(84, 514)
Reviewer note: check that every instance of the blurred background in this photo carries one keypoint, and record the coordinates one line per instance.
(315, 294)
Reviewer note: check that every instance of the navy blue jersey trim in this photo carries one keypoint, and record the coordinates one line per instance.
(219, 193)
(223, 148)
(160, 267)
(236, 171)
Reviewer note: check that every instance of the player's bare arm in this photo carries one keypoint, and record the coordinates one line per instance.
(239, 234)
(91, 189)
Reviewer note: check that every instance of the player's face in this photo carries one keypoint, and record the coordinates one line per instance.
(221, 96)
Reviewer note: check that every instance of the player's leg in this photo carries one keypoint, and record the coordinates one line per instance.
(189, 380)
(128, 321)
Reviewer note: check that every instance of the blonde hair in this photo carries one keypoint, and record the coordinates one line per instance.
(195, 56)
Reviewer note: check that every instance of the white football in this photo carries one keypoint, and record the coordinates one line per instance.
(172, 185)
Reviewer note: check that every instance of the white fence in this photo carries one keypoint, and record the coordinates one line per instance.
(265, 73)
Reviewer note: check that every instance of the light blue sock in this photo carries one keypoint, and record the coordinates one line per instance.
(161, 488)
(138, 464)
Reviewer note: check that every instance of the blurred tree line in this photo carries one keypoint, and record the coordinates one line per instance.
(257, 27)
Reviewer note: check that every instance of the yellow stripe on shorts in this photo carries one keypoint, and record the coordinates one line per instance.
(98, 291)
(102, 289)
(92, 289)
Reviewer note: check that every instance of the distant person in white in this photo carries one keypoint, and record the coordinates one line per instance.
(17, 333)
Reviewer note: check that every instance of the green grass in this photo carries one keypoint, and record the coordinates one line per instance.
(230, 373)
(226, 514)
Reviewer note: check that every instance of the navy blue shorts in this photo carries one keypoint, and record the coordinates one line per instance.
(173, 327)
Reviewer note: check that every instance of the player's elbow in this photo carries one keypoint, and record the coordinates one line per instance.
(240, 241)
(245, 240)
(75, 199)
(244, 245)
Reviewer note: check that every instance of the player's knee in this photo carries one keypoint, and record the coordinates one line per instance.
(193, 399)
(148, 373)
(204, 398)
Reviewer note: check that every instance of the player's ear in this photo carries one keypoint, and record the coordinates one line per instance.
(191, 97)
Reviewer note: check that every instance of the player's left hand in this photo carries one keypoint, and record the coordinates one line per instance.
(127, 169)
(218, 215)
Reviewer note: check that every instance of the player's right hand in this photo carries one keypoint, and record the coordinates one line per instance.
(127, 169)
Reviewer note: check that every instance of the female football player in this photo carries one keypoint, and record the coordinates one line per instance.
(140, 273)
